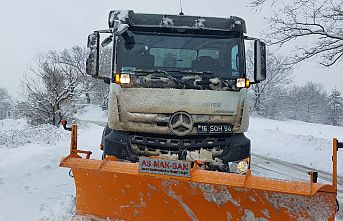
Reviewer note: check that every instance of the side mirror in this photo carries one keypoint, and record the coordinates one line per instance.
(107, 41)
(260, 71)
(92, 63)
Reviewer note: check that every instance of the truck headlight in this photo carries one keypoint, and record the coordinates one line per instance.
(242, 83)
(239, 167)
(123, 79)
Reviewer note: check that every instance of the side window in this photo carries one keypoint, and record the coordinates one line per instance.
(235, 61)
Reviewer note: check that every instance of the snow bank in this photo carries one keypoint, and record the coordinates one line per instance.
(16, 133)
(297, 142)
(92, 113)
(33, 187)
(10, 124)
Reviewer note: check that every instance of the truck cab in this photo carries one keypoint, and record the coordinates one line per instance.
(178, 87)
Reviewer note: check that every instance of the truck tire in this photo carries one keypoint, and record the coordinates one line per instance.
(106, 131)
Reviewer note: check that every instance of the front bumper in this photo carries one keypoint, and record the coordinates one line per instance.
(222, 148)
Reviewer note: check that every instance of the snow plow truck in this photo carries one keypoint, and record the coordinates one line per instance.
(174, 147)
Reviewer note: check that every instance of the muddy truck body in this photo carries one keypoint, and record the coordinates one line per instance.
(178, 87)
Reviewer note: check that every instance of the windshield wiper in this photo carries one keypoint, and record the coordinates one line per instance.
(159, 72)
(194, 72)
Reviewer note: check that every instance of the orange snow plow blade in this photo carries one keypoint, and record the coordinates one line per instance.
(118, 191)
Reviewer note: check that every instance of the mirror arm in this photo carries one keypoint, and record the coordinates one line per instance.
(250, 38)
(254, 82)
(110, 30)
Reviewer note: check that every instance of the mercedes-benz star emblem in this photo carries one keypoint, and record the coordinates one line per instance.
(181, 123)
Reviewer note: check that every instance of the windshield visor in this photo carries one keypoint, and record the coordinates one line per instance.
(219, 55)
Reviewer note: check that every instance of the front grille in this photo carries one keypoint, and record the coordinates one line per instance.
(175, 144)
(158, 123)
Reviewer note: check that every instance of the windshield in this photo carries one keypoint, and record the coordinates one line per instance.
(184, 53)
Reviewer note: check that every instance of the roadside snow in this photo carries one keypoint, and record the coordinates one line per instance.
(296, 142)
(92, 113)
(33, 187)
(9, 124)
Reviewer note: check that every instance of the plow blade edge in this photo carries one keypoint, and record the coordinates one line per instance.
(116, 190)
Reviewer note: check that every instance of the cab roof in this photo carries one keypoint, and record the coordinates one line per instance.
(131, 18)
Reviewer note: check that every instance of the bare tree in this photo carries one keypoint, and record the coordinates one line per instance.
(266, 95)
(308, 103)
(292, 103)
(336, 107)
(6, 103)
(93, 89)
(313, 28)
(76, 58)
(315, 103)
(50, 89)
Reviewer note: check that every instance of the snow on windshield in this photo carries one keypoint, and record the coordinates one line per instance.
(167, 21)
(199, 23)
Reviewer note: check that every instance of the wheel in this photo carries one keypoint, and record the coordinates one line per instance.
(106, 131)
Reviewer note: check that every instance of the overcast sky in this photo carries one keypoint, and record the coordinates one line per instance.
(32, 27)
